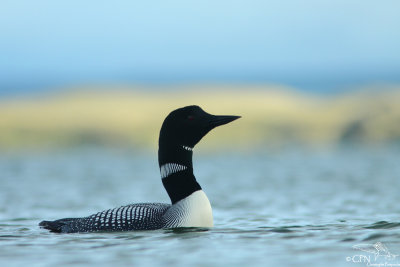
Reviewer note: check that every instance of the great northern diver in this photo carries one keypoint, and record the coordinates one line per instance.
(181, 131)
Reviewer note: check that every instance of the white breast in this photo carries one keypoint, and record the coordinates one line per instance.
(192, 211)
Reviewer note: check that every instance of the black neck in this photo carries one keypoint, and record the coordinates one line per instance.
(180, 184)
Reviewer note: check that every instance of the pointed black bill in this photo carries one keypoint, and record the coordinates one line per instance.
(221, 120)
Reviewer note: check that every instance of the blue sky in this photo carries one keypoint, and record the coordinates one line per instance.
(309, 44)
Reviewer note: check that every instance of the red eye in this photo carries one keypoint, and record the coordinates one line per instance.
(190, 117)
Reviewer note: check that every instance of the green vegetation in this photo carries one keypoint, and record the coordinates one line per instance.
(271, 116)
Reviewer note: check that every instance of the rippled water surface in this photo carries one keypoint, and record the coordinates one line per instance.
(281, 208)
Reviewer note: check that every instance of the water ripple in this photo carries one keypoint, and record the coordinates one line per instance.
(383, 225)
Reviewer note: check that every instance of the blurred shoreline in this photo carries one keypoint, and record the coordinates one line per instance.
(132, 117)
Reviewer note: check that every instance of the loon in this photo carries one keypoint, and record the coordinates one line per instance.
(181, 130)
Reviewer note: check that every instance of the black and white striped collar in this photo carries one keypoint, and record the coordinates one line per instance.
(170, 168)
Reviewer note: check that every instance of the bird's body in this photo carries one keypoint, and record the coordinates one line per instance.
(192, 211)
(181, 131)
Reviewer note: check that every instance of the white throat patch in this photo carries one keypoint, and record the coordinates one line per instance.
(187, 148)
(170, 168)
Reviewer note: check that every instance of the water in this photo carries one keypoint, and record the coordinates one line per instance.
(284, 208)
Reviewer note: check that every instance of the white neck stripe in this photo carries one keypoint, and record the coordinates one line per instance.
(188, 148)
(170, 168)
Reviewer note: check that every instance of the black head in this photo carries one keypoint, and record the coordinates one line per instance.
(186, 126)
